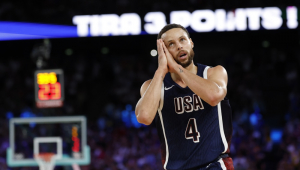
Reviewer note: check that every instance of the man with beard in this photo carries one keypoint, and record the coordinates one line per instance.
(194, 117)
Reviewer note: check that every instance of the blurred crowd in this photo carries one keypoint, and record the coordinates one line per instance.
(250, 149)
(121, 148)
(263, 90)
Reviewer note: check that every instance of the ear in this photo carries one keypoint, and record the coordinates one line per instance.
(192, 43)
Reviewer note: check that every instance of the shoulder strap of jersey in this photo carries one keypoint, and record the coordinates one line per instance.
(202, 70)
(161, 102)
(205, 72)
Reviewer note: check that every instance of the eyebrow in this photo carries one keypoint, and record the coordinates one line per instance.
(179, 38)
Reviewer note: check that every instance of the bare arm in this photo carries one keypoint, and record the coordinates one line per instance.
(212, 90)
(147, 106)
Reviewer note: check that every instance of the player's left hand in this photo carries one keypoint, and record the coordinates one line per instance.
(172, 64)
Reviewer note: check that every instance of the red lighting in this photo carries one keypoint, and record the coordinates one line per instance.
(44, 92)
(76, 145)
(75, 139)
(49, 91)
(55, 91)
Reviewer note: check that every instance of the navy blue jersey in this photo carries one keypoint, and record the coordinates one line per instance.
(192, 133)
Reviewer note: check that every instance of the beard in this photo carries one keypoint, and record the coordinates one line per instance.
(189, 60)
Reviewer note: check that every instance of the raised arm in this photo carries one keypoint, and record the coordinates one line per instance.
(147, 106)
(212, 90)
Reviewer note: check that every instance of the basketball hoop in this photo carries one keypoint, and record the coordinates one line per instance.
(45, 160)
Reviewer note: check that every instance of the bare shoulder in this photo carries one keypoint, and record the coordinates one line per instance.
(217, 70)
(218, 75)
(145, 86)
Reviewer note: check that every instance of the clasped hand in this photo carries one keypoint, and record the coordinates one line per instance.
(166, 61)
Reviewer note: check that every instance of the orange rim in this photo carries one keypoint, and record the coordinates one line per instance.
(45, 156)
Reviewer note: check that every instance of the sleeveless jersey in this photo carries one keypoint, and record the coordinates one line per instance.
(192, 133)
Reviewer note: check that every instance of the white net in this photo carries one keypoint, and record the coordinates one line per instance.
(46, 161)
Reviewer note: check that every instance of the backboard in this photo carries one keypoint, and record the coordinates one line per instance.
(63, 136)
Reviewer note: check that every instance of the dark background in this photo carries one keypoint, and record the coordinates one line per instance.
(103, 76)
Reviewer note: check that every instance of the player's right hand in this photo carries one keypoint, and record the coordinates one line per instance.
(162, 59)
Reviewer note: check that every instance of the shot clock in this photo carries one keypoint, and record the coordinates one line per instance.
(49, 88)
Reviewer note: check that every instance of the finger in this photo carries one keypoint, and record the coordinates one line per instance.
(165, 49)
(161, 50)
(162, 46)
(162, 43)
(158, 46)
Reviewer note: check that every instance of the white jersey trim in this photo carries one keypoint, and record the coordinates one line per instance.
(222, 128)
(205, 72)
(161, 103)
(222, 164)
(219, 115)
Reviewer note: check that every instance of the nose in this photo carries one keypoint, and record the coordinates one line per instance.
(179, 47)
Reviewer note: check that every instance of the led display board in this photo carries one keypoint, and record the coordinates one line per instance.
(240, 19)
(49, 88)
(206, 20)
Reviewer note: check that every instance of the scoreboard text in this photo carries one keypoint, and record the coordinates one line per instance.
(49, 88)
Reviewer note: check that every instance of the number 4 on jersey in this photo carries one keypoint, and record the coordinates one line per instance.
(191, 131)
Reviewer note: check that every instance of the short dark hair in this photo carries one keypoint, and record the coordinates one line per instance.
(171, 26)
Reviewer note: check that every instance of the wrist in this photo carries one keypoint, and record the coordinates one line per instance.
(179, 69)
(162, 69)
(161, 72)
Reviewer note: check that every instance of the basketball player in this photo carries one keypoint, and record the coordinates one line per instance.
(194, 117)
